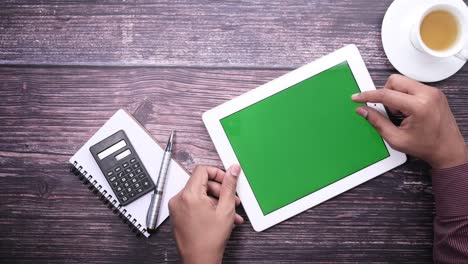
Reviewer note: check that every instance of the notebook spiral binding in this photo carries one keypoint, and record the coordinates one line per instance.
(106, 198)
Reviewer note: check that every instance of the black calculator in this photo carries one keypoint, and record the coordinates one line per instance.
(122, 167)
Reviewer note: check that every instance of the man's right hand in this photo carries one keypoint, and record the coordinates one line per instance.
(429, 130)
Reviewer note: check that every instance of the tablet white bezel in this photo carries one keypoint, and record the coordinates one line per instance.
(212, 122)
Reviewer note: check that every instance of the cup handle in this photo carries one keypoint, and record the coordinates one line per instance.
(463, 54)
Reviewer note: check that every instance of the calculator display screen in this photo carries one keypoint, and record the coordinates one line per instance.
(303, 138)
(105, 153)
(123, 154)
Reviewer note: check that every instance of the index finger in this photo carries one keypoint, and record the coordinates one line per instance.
(198, 182)
(403, 84)
(394, 99)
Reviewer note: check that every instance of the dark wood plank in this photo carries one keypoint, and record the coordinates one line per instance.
(204, 33)
(46, 215)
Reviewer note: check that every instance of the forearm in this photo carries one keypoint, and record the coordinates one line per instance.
(450, 188)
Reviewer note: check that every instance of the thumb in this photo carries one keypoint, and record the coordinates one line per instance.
(391, 133)
(227, 196)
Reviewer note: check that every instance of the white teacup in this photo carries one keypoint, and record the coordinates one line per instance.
(458, 48)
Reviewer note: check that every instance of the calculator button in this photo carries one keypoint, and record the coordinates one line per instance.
(125, 198)
(132, 194)
(137, 185)
(128, 170)
(115, 184)
(125, 164)
(121, 194)
(123, 179)
(138, 171)
(117, 169)
(131, 175)
(113, 179)
(136, 165)
(139, 190)
(145, 184)
(120, 174)
(141, 176)
(119, 189)
(109, 173)
(126, 184)
(129, 189)
(133, 160)
(134, 180)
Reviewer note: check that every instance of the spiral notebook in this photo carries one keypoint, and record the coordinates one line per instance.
(134, 214)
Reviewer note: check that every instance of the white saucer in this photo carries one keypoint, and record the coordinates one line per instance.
(396, 26)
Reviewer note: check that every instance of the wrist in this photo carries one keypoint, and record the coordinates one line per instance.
(202, 257)
(455, 158)
(201, 260)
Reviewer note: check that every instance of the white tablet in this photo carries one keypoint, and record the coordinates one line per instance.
(299, 140)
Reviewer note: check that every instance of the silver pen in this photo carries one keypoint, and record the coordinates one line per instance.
(156, 197)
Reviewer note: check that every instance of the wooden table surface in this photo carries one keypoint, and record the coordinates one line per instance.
(67, 66)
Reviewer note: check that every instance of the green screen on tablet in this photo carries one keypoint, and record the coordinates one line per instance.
(303, 138)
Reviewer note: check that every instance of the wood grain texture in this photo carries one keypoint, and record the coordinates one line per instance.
(47, 216)
(202, 53)
(255, 33)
